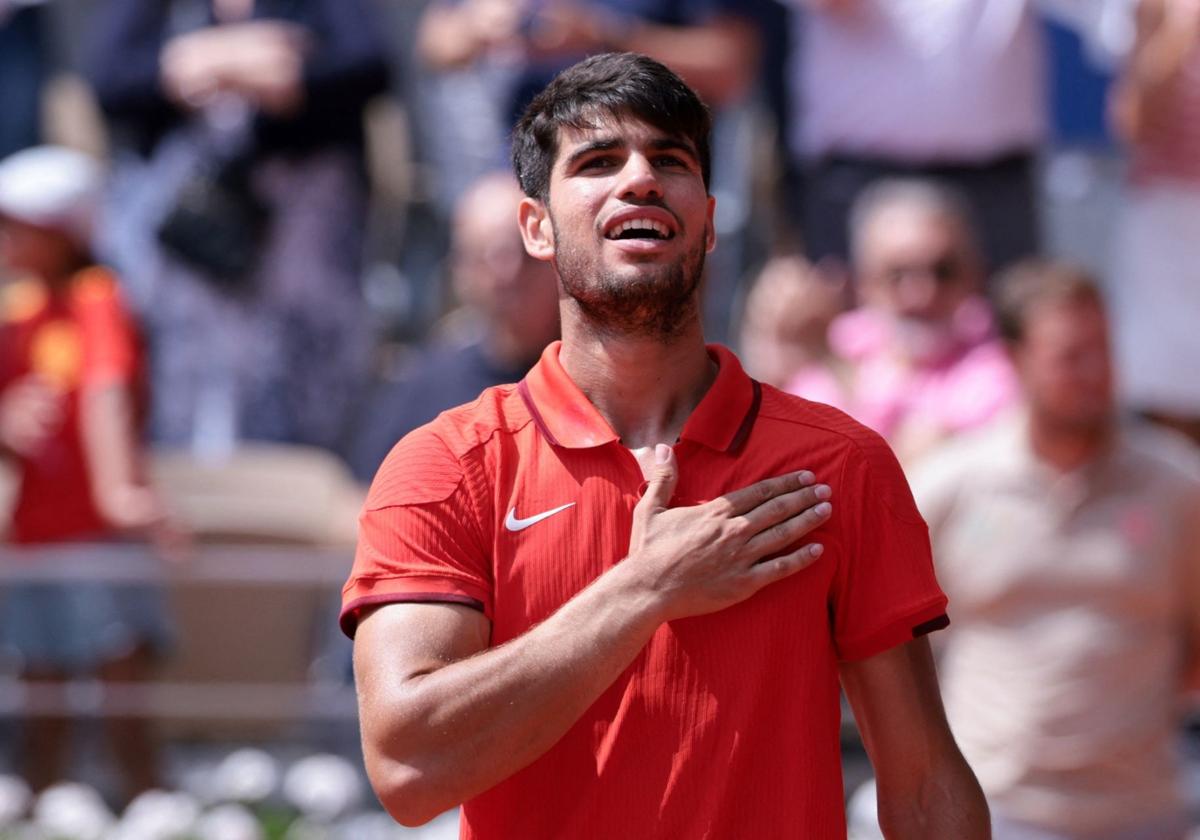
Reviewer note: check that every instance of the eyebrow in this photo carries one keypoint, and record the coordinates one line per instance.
(604, 144)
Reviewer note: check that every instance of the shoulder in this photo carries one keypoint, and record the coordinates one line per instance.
(1167, 456)
(866, 460)
(430, 463)
(95, 283)
(22, 300)
(820, 423)
(95, 292)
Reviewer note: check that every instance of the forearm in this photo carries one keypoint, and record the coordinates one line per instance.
(447, 39)
(449, 734)
(944, 802)
(118, 489)
(718, 59)
(1150, 76)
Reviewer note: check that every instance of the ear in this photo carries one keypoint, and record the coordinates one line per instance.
(710, 228)
(536, 229)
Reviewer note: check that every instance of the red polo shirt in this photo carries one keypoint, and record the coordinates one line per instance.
(726, 725)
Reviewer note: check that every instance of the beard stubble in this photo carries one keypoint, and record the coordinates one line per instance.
(658, 303)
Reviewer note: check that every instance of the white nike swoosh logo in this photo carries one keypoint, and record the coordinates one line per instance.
(513, 524)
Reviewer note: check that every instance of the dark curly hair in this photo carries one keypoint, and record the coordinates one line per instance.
(612, 84)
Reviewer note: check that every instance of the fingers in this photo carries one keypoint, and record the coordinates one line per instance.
(782, 534)
(778, 568)
(662, 485)
(748, 498)
(783, 507)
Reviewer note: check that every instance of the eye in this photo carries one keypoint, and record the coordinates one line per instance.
(671, 160)
(598, 162)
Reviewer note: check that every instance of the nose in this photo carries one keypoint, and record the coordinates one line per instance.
(916, 293)
(639, 179)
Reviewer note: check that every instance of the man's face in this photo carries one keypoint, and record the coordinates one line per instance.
(916, 265)
(627, 225)
(492, 271)
(1065, 365)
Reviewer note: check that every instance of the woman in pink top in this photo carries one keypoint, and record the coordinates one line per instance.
(918, 361)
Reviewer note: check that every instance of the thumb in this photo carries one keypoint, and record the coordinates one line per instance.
(666, 475)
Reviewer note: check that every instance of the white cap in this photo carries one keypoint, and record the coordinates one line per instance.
(53, 187)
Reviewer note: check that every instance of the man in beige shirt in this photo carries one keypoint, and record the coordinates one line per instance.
(1069, 545)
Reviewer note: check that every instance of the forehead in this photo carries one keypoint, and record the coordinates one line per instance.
(904, 227)
(617, 131)
(1060, 322)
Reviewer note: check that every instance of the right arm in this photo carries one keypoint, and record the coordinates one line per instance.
(444, 717)
(450, 36)
(1166, 35)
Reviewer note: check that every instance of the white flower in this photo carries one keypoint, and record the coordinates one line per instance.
(229, 822)
(14, 799)
(323, 786)
(72, 810)
(157, 815)
(245, 775)
(861, 814)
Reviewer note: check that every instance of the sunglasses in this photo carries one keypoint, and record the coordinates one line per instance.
(944, 270)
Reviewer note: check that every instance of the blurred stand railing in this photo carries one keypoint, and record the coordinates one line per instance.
(206, 678)
(254, 599)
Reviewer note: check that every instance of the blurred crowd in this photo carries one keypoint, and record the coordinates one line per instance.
(973, 225)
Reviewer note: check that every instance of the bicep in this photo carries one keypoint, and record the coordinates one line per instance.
(398, 643)
(898, 708)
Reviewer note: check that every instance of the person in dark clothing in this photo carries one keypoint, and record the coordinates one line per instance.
(509, 314)
(260, 103)
(23, 67)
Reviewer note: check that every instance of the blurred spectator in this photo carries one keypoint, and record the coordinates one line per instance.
(1068, 545)
(951, 89)
(23, 68)
(69, 407)
(785, 322)
(1156, 291)
(509, 314)
(238, 209)
(919, 360)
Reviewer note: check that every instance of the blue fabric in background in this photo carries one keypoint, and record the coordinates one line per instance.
(1078, 90)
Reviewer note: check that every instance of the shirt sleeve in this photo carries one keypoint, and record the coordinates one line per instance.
(884, 591)
(110, 346)
(421, 533)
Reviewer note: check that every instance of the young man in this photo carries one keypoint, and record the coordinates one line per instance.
(614, 600)
(1070, 544)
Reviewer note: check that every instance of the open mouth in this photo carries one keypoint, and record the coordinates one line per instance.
(640, 229)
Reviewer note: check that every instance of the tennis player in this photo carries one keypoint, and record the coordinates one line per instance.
(618, 599)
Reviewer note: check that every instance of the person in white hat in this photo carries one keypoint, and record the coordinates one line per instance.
(70, 367)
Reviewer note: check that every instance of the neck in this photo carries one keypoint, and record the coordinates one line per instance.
(1067, 447)
(645, 387)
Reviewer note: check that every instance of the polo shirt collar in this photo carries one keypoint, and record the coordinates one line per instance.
(721, 421)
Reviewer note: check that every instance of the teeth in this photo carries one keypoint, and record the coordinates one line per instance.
(640, 224)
